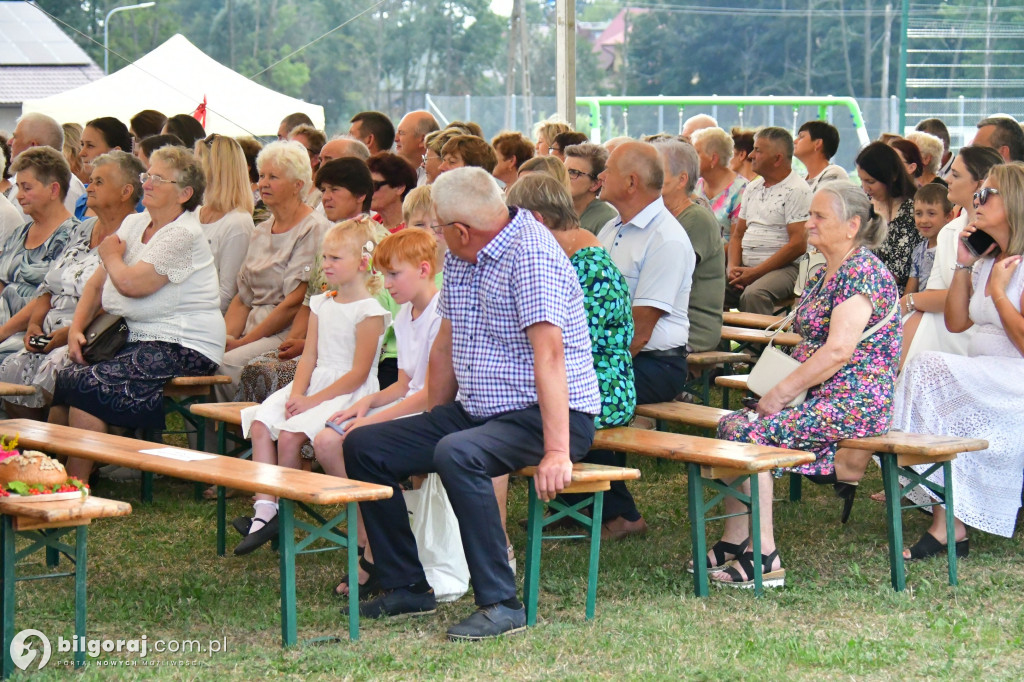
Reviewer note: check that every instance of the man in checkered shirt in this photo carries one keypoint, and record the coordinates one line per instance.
(511, 384)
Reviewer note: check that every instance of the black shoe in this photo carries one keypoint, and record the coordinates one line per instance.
(242, 524)
(257, 538)
(847, 493)
(400, 602)
(489, 622)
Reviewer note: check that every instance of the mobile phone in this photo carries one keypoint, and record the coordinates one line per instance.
(39, 341)
(749, 403)
(978, 242)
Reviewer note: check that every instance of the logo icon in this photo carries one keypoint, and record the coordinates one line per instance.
(22, 654)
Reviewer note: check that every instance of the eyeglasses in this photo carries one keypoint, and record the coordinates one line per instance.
(146, 177)
(982, 195)
(552, 150)
(438, 229)
(577, 174)
(377, 184)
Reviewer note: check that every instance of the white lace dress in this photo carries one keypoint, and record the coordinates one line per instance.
(980, 395)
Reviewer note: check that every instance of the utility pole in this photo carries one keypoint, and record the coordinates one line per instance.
(565, 60)
(904, 27)
(518, 50)
(886, 52)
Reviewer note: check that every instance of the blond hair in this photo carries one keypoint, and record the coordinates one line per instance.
(1009, 179)
(227, 174)
(416, 201)
(362, 235)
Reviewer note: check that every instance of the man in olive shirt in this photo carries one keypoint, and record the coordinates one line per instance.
(682, 165)
(585, 162)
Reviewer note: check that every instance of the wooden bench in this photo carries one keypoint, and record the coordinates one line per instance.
(591, 479)
(897, 452)
(752, 320)
(43, 524)
(704, 364)
(291, 486)
(7, 389)
(707, 461)
(747, 337)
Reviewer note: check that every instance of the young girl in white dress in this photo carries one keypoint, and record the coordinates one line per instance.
(338, 367)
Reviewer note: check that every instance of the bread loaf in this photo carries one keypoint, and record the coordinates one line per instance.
(32, 468)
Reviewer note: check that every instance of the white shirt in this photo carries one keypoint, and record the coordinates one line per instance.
(829, 173)
(414, 338)
(10, 218)
(768, 212)
(655, 256)
(186, 310)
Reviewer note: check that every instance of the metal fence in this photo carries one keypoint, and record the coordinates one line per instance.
(495, 114)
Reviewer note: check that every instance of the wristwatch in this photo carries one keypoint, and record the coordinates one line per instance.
(910, 303)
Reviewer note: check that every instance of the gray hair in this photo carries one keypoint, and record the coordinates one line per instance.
(715, 141)
(545, 195)
(128, 165)
(291, 159)
(190, 173)
(594, 153)
(681, 158)
(850, 201)
(354, 148)
(466, 195)
(45, 129)
(780, 137)
(928, 144)
(47, 164)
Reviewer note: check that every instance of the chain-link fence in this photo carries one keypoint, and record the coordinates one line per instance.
(495, 114)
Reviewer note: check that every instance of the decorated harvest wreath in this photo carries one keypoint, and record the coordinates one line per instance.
(33, 473)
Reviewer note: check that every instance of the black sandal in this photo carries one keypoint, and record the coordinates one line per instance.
(845, 490)
(745, 561)
(370, 588)
(929, 546)
(724, 553)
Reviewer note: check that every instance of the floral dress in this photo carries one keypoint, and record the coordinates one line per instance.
(854, 402)
(899, 245)
(608, 306)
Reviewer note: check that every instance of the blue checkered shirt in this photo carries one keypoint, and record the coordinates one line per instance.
(521, 277)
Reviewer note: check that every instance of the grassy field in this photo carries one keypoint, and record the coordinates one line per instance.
(156, 573)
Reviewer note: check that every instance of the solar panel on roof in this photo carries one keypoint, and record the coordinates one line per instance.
(27, 36)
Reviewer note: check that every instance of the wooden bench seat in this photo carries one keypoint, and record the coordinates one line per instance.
(758, 337)
(290, 486)
(42, 525)
(752, 320)
(182, 387)
(704, 363)
(897, 452)
(7, 389)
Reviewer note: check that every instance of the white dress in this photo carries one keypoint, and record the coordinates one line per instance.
(980, 395)
(335, 349)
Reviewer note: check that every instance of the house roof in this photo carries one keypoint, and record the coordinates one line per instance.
(30, 38)
(21, 83)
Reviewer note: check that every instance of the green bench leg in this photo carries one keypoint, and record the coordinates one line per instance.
(534, 531)
(947, 496)
(698, 540)
(893, 520)
(7, 541)
(81, 538)
(595, 553)
(754, 481)
(286, 544)
(222, 435)
(147, 487)
(353, 574)
(795, 487)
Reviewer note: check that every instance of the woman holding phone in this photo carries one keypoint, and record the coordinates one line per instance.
(978, 395)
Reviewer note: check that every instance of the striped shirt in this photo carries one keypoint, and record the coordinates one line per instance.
(521, 277)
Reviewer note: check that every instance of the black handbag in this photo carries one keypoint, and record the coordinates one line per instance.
(106, 335)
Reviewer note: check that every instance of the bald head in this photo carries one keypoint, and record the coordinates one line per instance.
(36, 130)
(410, 135)
(344, 147)
(641, 159)
(698, 122)
(633, 178)
(611, 144)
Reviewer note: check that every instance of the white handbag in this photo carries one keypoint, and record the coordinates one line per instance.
(775, 365)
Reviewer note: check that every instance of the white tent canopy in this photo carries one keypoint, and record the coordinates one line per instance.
(173, 79)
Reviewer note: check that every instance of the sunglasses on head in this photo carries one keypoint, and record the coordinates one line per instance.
(982, 195)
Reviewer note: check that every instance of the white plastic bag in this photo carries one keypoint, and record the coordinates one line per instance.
(438, 541)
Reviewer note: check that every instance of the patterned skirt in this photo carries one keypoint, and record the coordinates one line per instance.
(128, 389)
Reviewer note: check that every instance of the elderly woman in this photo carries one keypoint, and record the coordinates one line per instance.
(157, 272)
(467, 150)
(931, 155)
(226, 213)
(273, 278)
(511, 150)
(606, 300)
(980, 395)
(719, 185)
(113, 192)
(393, 179)
(891, 191)
(434, 143)
(848, 374)
(100, 136)
(26, 255)
(545, 133)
